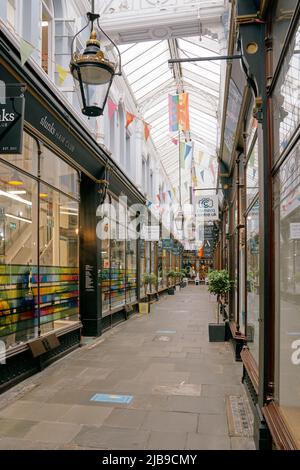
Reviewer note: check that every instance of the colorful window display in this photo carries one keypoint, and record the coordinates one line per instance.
(118, 261)
(39, 277)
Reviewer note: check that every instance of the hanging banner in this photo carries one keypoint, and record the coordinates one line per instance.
(173, 113)
(12, 109)
(62, 74)
(207, 207)
(129, 118)
(112, 107)
(183, 112)
(26, 49)
(146, 131)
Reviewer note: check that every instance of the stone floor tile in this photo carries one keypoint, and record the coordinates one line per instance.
(88, 415)
(212, 424)
(16, 428)
(170, 421)
(126, 418)
(112, 438)
(204, 442)
(167, 441)
(242, 443)
(57, 433)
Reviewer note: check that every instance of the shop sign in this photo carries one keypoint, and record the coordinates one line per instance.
(207, 207)
(12, 108)
(295, 231)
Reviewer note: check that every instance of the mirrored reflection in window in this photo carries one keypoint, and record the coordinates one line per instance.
(253, 280)
(286, 97)
(287, 243)
(18, 257)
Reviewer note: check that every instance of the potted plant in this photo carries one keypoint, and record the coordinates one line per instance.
(183, 277)
(220, 285)
(153, 284)
(171, 276)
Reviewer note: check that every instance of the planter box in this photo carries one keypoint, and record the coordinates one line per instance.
(171, 291)
(144, 308)
(216, 332)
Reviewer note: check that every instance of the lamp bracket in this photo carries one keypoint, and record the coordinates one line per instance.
(93, 16)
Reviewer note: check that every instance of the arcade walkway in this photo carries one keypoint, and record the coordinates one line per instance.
(178, 380)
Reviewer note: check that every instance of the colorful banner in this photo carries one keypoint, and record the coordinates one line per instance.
(173, 113)
(112, 107)
(183, 112)
(170, 194)
(129, 118)
(188, 149)
(174, 141)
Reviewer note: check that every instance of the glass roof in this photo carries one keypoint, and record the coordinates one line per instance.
(145, 65)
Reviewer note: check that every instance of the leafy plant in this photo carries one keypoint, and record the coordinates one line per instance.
(219, 283)
(146, 279)
(152, 279)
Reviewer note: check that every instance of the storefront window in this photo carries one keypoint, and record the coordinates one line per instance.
(286, 97)
(287, 243)
(253, 280)
(252, 174)
(142, 266)
(39, 274)
(131, 280)
(18, 258)
(58, 255)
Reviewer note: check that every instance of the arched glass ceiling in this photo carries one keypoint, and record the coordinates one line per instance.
(145, 65)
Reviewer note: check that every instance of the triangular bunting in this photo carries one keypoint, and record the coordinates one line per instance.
(26, 49)
(62, 74)
(129, 118)
(112, 107)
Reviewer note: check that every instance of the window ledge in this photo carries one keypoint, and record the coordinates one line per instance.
(279, 429)
(251, 367)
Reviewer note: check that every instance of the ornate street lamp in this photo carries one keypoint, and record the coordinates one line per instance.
(93, 73)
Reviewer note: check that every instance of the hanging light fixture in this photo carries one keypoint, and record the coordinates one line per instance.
(15, 180)
(92, 72)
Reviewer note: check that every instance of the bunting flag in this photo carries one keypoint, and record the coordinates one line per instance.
(199, 158)
(164, 196)
(158, 197)
(112, 107)
(174, 141)
(254, 173)
(170, 194)
(26, 49)
(200, 253)
(62, 74)
(129, 118)
(183, 112)
(174, 191)
(202, 175)
(182, 146)
(149, 204)
(188, 149)
(146, 131)
(173, 113)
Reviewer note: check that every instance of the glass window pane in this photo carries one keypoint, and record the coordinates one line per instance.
(28, 160)
(283, 13)
(252, 174)
(59, 174)
(253, 280)
(287, 243)
(286, 98)
(59, 261)
(18, 258)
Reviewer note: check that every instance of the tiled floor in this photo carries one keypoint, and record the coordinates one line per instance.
(178, 381)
